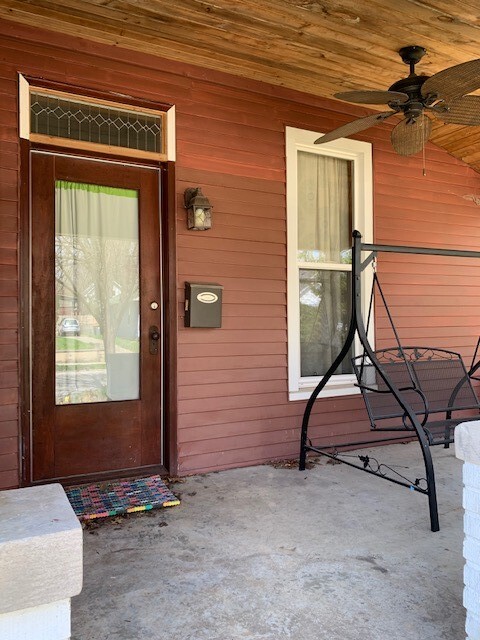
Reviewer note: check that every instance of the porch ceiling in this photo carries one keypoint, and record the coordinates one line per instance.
(317, 46)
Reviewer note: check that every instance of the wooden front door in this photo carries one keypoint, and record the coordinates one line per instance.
(96, 318)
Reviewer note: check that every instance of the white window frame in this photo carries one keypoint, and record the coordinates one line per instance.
(360, 154)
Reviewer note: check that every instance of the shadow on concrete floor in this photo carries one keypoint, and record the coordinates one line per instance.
(266, 553)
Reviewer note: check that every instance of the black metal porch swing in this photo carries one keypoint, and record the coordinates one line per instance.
(412, 391)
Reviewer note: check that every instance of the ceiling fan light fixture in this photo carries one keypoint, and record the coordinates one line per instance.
(409, 137)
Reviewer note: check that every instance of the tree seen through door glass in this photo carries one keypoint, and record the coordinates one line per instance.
(96, 293)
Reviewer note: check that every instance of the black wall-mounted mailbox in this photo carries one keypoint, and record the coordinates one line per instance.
(203, 305)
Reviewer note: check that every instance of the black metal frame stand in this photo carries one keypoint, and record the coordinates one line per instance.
(475, 366)
(357, 326)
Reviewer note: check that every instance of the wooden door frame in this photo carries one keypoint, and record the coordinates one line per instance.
(169, 290)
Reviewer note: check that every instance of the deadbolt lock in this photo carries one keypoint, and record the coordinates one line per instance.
(154, 337)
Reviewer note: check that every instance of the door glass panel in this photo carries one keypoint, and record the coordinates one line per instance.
(96, 293)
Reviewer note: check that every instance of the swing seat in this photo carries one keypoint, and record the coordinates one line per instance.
(433, 382)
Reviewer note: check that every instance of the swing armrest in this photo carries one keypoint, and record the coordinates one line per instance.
(366, 388)
(425, 404)
(425, 413)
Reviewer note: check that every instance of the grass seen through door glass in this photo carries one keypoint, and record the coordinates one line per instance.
(74, 344)
(77, 344)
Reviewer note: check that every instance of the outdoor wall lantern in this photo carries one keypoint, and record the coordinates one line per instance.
(199, 209)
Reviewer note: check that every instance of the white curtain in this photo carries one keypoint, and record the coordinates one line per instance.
(324, 229)
(97, 275)
(324, 208)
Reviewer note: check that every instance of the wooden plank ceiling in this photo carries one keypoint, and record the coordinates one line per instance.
(317, 46)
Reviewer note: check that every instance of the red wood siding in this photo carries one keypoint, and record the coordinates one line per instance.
(9, 368)
(233, 407)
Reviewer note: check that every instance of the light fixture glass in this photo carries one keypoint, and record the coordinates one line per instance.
(199, 209)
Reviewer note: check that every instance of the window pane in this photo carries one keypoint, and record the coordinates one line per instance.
(63, 117)
(324, 208)
(96, 293)
(324, 320)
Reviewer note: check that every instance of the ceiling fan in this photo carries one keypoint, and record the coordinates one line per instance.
(442, 95)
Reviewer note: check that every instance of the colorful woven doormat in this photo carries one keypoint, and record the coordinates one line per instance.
(122, 496)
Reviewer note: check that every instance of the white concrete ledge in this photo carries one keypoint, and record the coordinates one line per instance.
(45, 622)
(40, 548)
(467, 448)
(467, 442)
(473, 627)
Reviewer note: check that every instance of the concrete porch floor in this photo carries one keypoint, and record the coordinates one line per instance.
(266, 553)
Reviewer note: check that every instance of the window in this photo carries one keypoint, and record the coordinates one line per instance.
(329, 193)
(57, 117)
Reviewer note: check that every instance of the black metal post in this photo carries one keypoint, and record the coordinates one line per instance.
(357, 326)
(425, 251)
(425, 448)
(474, 369)
(336, 363)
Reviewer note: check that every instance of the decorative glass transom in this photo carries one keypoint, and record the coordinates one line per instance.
(67, 117)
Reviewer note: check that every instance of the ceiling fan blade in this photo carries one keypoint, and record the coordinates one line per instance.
(355, 126)
(372, 97)
(464, 111)
(410, 137)
(454, 82)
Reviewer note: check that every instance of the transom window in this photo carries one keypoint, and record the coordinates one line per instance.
(59, 118)
(329, 193)
(69, 117)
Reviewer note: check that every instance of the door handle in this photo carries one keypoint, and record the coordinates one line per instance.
(154, 337)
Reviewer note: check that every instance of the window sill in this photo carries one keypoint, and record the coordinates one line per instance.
(329, 392)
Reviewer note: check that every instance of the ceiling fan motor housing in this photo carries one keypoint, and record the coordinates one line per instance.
(412, 86)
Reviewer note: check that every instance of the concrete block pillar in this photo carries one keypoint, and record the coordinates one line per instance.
(467, 448)
(41, 563)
